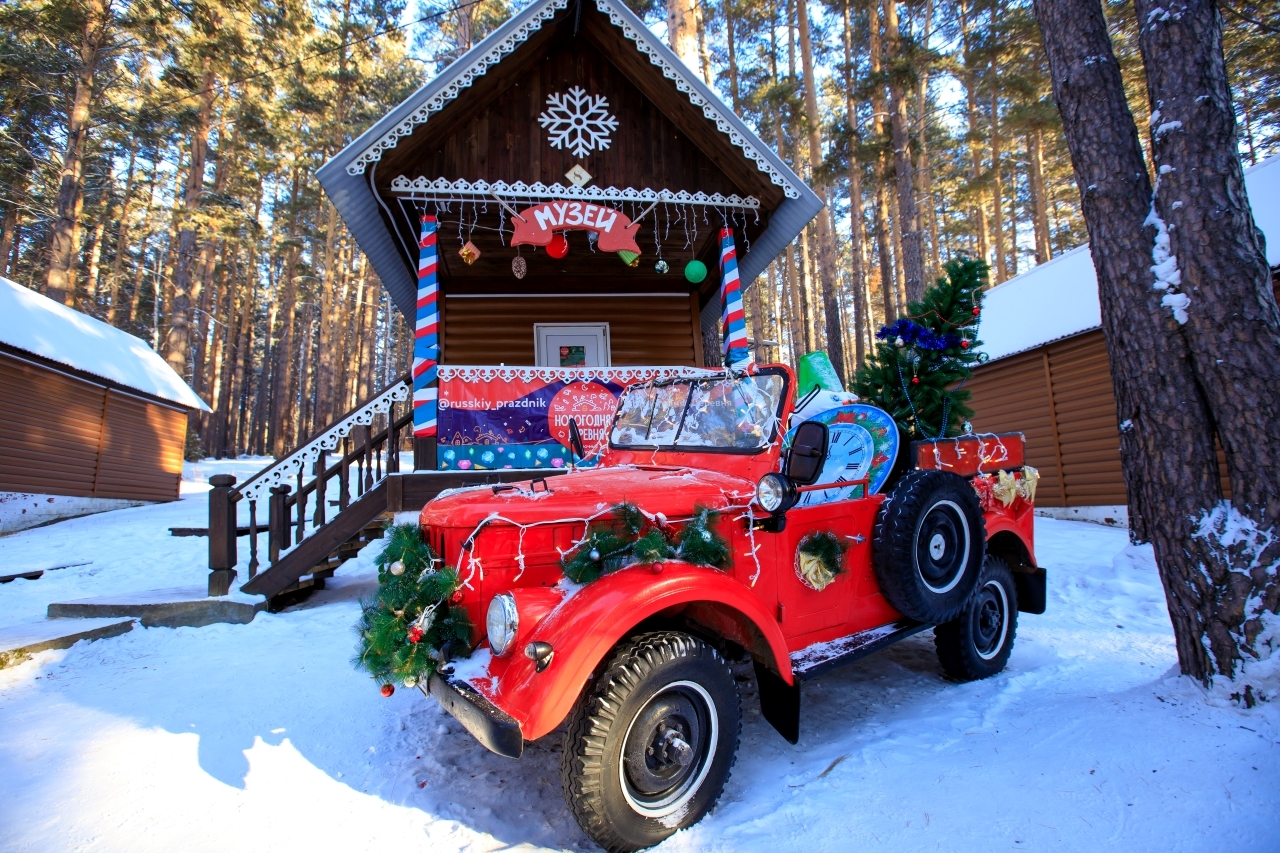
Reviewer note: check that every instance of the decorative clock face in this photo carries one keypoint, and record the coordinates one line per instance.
(850, 451)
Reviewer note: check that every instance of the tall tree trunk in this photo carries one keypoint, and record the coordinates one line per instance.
(682, 31)
(888, 286)
(122, 238)
(978, 211)
(910, 235)
(1166, 430)
(286, 351)
(857, 252)
(923, 167)
(63, 242)
(178, 339)
(997, 180)
(95, 264)
(729, 18)
(1230, 320)
(826, 228)
(1035, 182)
(7, 233)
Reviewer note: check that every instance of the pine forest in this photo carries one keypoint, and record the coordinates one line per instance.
(158, 158)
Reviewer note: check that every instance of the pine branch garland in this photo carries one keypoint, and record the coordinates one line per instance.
(627, 537)
(406, 624)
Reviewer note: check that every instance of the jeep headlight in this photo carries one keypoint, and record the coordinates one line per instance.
(776, 493)
(502, 622)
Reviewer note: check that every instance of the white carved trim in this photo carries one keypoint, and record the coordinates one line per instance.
(443, 189)
(710, 108)
(285, 472)
(618, 375)
(480, 65)
(461, 79)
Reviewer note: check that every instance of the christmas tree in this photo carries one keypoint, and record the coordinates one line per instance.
(920, 365)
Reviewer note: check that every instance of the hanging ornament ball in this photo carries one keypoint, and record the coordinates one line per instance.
(559, 245)
(915, 380)
(661, 518)
(397, 568)
(899, 343)
(388, 689)
(469, 253)
(519, 266)
(662, 266)
(411, 682)
(706, 536)
(695, 271)
(968, 428)
(594, 554)
(631, 259)
(976, 311)
(964, 345)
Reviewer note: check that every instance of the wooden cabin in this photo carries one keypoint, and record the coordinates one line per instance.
(568, 102)
(1049, 375)
(91, 418)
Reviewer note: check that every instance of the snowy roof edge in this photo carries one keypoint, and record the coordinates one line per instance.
(1263, 191)
(34, 323)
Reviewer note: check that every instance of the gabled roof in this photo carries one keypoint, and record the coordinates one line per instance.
(1060, 298)
(349, 176)
(34, 323)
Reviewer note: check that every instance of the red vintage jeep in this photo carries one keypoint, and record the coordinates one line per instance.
(637, 660)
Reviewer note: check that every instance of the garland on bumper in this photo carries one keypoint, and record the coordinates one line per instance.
(407, 628)
(628, 537)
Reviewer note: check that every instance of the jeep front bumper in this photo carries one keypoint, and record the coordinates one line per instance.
(488, 723)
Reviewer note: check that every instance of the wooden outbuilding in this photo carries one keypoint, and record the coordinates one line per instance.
(86, 410)
(1049, 375)
(570, 103)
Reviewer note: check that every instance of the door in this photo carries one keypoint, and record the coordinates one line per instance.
(572, 344)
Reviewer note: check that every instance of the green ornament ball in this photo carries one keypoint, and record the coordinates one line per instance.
(695, 271)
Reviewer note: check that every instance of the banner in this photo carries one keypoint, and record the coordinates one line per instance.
(536, 225)
(518, 417)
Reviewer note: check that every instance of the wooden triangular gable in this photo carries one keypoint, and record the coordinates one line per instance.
(463, 120)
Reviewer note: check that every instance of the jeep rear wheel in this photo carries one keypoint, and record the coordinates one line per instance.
(929, 543)
(977, 643)
(650, 745)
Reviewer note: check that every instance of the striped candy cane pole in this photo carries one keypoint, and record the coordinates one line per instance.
(426, 346)
(733, 329)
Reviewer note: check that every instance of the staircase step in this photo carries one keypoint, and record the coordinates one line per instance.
(166, 608)
(20, 642)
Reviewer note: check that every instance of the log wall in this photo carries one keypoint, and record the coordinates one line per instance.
(64, 435)
(643, 330)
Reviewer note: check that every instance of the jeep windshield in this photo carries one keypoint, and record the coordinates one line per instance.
(719, 413)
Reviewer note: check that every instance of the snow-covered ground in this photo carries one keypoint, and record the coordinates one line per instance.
(262, 736)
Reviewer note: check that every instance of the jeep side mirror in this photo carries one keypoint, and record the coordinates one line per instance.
(575, 439)
(808, 449)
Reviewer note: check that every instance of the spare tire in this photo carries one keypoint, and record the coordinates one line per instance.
(929, 544)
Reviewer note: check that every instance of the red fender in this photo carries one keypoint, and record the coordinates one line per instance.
(1020, 523)
(586, 625)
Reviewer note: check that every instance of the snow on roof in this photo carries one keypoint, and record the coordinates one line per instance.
(35, 323)
(1060, 298)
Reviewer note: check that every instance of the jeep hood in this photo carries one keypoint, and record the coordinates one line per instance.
(581, 494)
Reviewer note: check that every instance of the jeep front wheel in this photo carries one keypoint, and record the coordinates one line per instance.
(650, 745)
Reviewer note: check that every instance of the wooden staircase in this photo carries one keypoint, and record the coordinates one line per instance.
(305, 544)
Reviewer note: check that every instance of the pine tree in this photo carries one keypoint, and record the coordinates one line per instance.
(918, 371)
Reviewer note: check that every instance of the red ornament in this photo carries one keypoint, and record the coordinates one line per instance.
(559, 246)
(977, 311)
(915, 380)
(415, 634)
(387, 690)
(964, 345)
(456, 598)
(656, 568)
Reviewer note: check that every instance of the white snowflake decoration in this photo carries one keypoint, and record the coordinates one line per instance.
(578, 121)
